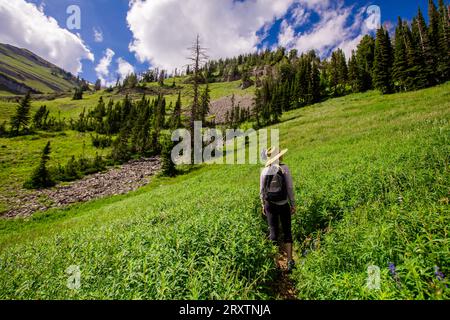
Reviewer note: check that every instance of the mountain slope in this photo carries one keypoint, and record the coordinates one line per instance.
(22, 71)
(372, 180)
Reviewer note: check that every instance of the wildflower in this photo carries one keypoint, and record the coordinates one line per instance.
(439, 275)
(393, 271)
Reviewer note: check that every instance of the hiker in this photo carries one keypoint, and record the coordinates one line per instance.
(277, 197)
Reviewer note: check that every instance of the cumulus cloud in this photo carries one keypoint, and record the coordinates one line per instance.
(338, 27)
(124, 68)
(286, 37)
(102, 69)
(300, 15)
(162, 30)
(98, 35)
(24, 25)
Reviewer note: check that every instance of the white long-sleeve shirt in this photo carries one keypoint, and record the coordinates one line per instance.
(289, 184)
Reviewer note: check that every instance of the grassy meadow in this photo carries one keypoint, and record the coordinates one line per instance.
(372, 184)
(20, 155)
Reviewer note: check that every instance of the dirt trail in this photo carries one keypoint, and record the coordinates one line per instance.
(115, 181)
(283, 287)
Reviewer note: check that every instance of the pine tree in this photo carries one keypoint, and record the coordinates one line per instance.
(113, 118)
(121, 149)
(204, 103)
(168, 166)
(382, 68)
(78, 94)
(365, 55)
(314, 84)
(72, 170)
(175, 121)
(416, 74)
(40, 117)
(21, 119)
(3, 131)
(98, 85)
(140, 136)
(125, 109)
(433, 17)
(443, 44)
(158, 123)
(338, 72)
(41, 177)
(428, 57)
(353, 73)
(160, 119)
(400, 66)
(98, 114)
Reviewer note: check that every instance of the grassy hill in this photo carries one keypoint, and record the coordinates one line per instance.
(22, 71)
(20, 155)
(372, 185)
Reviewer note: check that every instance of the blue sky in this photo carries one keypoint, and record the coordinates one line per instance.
(161, 30)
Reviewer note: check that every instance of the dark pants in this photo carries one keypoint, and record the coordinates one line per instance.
(275, 214)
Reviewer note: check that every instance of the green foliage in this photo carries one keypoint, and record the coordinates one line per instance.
(199, 236)
(41, 177)
(168, 166)
(121, 151)
(71, 171)
(338, 72)
(365, 56)
(78, 94)
(400, 66)
(382, 66)
(40, 118)
(21, 119)
(3, 130)
(442, 46)
(130, 81)
(205, 100)
(101, 142)
(175, 120)
(98, 85)
(75, 168)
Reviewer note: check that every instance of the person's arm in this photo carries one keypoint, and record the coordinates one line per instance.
(289, 186)
(261, 189)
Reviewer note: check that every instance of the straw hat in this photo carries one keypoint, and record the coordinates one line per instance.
(273, 154)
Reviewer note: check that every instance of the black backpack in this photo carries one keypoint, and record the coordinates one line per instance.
(275, 186)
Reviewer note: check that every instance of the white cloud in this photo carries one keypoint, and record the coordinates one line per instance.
(300, 15)
(98, 35)
(24, 25)
(335, 29)
(124, 68)
(102, 69)
(286, 36)
(315, 4)
(162, 30)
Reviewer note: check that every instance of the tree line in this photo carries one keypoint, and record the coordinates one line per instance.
(417, 57)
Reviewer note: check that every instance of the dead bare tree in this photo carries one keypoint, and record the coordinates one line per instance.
(198, 57)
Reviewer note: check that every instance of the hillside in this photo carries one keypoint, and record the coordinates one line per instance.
(372, 181)
(22, 71)
(19, 154)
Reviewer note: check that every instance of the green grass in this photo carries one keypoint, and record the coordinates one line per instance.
(372, 182)
(19, 156)
(24, 70)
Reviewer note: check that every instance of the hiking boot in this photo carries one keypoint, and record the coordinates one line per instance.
(291, 265)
